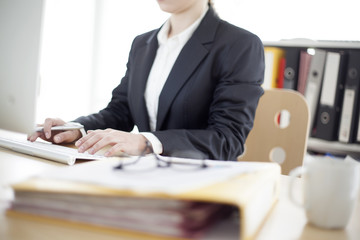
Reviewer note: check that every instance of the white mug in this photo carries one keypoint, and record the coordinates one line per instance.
(330, 189)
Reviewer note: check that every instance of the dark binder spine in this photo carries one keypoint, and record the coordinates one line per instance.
(291, 71)
(350, 111)
(329, 109)
(314, 85)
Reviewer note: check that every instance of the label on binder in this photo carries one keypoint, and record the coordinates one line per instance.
(346, 115)
(330, 79)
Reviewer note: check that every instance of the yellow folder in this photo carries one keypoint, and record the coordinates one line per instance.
(252, 193)
(273, 56)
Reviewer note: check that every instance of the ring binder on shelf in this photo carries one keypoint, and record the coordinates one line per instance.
(331, 98)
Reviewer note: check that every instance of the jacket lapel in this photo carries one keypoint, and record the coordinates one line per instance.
(188, 60)
(144, 59)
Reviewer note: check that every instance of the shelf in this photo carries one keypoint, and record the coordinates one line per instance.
(308, 43)
(315, 144)
(323, 146)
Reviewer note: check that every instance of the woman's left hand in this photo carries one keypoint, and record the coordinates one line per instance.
(120, 142)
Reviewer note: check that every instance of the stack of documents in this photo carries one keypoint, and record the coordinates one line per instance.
(177, 218)
(159, 201)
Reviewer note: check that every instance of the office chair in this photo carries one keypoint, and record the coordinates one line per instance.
(280, 130)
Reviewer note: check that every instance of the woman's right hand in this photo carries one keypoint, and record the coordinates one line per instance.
(47, 134)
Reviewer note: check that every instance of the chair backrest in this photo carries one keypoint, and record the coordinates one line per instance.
(280, 130)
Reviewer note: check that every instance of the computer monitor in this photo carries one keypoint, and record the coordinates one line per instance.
(20, 42)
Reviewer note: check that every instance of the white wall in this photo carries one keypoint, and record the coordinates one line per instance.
(66, 60)
(284, 19)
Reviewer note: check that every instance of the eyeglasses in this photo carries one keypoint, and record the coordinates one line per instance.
(159, 162)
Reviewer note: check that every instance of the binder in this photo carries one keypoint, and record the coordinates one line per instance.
(331, 98)
(281, 74)
(252, 193)
(304, 66)
(314, 83)
(350, 107)
(273, 56)
(291, 71)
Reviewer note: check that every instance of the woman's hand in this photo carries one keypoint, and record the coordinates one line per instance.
(55, 136)
(120, 142)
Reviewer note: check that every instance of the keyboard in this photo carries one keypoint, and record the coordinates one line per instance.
(47, 150)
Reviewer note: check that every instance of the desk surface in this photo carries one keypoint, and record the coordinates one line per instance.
(286, 221)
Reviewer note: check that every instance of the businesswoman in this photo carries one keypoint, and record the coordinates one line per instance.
(191, 86)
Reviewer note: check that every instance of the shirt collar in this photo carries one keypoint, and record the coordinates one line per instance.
(182, 37)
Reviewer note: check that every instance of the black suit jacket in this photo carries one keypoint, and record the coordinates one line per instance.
(208, 102)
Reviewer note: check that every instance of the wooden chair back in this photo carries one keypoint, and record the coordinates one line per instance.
(280, 131)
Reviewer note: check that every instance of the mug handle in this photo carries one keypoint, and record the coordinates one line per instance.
(296, 172)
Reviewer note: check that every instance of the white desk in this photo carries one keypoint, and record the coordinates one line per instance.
(286, 221)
